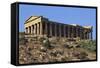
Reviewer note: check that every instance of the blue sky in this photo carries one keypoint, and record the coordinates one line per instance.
(67, 15)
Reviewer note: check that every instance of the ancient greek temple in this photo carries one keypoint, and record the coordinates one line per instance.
(41, 26)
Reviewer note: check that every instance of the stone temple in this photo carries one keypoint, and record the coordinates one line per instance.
(43, 27)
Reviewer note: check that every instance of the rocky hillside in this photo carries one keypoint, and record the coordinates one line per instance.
(44, 50)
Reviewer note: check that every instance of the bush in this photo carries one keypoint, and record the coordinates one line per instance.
(41, 39)
(67, 46)
(78, 46)
(43, 49)
(56, 52)
(89, 45)
(80, 55)
(22, 41)
(83, 55)
(46, 43)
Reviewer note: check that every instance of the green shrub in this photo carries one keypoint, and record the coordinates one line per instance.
(46, 43)
(43, 49)
(89, 45)
(67, 46)
(83, 55)
(22, 41)
(41, 39)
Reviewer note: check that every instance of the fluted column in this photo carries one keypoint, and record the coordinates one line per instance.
(55, 30)
(68, 31)
(76, 32)
(26, 30)
(84, 33)
(31, 29)
(85, 36)
(80, 33)
(88, 35)
(91, 35)
(41, 28)
(46, 33)
(37, 28)
(72, 32)
(50, 29)
(59, 30)
(91, 32)
(64, 30)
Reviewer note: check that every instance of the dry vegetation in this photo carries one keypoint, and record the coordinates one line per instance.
(44, 50)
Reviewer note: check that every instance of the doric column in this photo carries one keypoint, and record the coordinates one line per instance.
(80, 33)
(50, 29)
(46, 33)
(26, 30)
(64, 30)
(84, 35)
(68, 31)
(72, 32)
(88, 35)
(76, 32)
(37, 28)
(31, 29)
(41, 28)
(91, 33)
(55, 30)
(59, 30)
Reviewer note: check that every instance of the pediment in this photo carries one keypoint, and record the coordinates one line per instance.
(32, 18)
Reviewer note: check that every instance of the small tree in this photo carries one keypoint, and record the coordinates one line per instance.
(46, 43)
(41, 39)
(89, 45)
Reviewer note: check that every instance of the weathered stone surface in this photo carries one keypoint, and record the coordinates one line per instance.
(59, 52)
